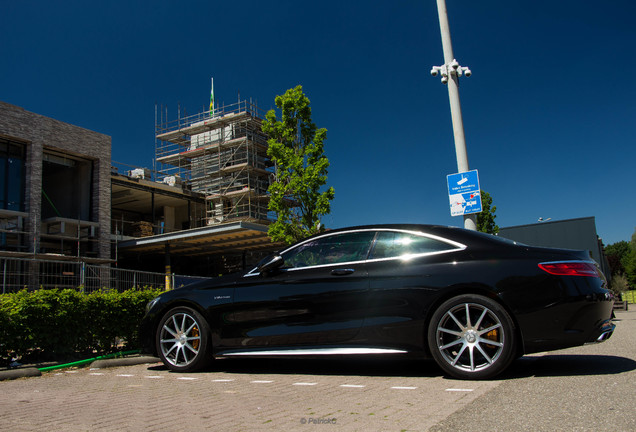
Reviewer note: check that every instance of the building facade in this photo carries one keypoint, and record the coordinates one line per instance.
(54, 187)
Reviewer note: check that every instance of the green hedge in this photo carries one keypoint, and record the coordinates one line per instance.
(60, 323)
(629, 296)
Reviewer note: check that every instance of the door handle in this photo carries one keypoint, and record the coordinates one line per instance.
(342, 272)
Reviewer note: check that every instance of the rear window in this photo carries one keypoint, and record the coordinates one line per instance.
(391, 244)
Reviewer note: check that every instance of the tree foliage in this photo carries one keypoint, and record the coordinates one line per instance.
(486, 219)
(297, 149)
(616, 253)
(622, 259)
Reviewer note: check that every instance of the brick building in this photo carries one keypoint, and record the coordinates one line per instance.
(54, 187)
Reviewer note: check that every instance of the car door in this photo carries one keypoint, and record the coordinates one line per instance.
(405, 270)
(316, 298)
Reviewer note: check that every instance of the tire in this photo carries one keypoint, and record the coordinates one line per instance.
(472, 337)
(182, 340)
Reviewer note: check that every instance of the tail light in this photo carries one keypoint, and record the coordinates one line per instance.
(571, 268)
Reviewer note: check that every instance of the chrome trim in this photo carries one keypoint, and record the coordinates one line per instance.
(316, 351)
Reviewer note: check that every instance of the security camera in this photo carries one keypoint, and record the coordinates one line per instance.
(444, 79)
(434, 72)
(467, 72)
(454, 64)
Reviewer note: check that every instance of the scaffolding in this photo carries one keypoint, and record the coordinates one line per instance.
(222, 154)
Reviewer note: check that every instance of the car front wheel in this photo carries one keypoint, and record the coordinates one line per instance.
(182, 340)
(471, 337)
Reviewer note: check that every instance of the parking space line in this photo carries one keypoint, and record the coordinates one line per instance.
(458, 390)
(352, 385)
(403, 388)
(222, 380)
(187, 378)
(125, 375)
(261, 381)
(304, 384)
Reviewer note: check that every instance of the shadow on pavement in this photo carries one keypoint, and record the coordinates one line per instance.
(333, 366)
(568, 365)
(545, 366)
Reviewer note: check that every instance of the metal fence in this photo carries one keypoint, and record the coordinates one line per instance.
(31, 274)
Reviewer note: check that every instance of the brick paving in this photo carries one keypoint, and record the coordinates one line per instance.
(246, 396)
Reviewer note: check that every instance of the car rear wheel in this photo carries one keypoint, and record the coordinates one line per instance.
(472, 337)
(182, 340)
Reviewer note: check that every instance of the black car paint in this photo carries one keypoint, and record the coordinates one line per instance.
(389, 303)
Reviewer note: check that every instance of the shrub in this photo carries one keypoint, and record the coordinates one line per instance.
(59, 323)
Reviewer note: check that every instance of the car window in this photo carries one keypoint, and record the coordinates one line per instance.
(392, 244)
(338, 248)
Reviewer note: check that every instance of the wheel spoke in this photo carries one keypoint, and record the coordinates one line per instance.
(471, 349)
(488, 359)
(489, 329)
(460, 325)
(459, 354)
(455, 342)
(467, 306)
(453, 332)
(483, 314)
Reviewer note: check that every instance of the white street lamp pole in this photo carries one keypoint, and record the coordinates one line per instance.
(451, 71)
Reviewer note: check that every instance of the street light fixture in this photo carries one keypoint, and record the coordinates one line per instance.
(450, 72)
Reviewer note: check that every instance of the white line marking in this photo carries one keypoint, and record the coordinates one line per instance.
(458, 390)
(261, 382)
(96, 373)
(304, 384)
(222, 380)
(403, 388)
(153, 376)
(187, 378)
(352, 386)
(125, 375)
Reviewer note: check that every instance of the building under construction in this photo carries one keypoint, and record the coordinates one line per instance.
(205, 207)
(221, 154)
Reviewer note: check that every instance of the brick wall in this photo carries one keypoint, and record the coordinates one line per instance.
(39, 133)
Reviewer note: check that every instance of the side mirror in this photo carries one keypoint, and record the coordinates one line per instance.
(270, 264)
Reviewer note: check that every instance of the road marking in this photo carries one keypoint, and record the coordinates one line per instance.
(403, 388)
(96, 373)
(304, 384)
(222, 380)
(458, 390)
(153, 377)
(187, 378)
(125, 375)
(261, 382)
(352, 385)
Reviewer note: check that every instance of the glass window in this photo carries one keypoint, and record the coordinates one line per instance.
(338, 248)
(11, 176)
(392, 244)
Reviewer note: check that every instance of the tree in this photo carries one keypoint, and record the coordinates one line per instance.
(486, 219)
(297, 150)
(616, 253)
(629, 262)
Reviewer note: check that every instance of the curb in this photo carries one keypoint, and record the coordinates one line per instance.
(26, 372)
(19, 373)
(124, 361)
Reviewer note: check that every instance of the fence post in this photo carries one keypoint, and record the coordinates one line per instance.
(83, 276)
(4, 277)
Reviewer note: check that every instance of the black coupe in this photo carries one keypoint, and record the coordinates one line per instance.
(471, 301)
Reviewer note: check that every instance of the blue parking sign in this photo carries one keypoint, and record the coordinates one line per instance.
(464, 193)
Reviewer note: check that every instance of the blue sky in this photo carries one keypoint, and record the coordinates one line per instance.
(549, 111)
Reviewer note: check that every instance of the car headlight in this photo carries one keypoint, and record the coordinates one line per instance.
(151, 304)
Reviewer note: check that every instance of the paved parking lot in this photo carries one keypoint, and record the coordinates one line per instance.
(586, 388)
